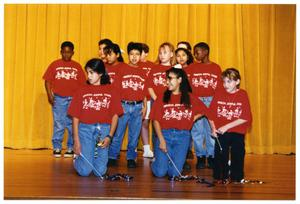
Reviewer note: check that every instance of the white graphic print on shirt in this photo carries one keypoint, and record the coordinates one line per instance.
(205, 80)
(96, 101)
(175, 111)
(229, 110)
(134, 82)
(159, 79)
(66, 73)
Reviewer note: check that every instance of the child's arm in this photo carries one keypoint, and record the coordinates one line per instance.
(77, 146)
(213, 128)
(144, 110)
(113, 127)
(230, 125)
(49, 92)
(152, 93)
(162, 142)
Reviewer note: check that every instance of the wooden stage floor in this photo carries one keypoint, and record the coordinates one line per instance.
(35, 174)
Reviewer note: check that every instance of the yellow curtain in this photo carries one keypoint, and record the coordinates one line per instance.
(259, 40)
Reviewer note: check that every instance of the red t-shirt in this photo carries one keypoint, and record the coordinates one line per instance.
(204, 79)
(95, 104)
(227, 107)
(65, 77)
(174, 114)
(157, 79)
(131, 83)
(114, 70)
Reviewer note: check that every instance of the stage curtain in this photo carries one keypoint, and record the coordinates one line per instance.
(258, 40)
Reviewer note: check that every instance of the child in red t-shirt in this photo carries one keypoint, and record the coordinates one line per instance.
(95, 109)
(114, 62)
(62, 78)
(173, 116)
(230, 116)
(183, 57)
(132, 90)
(205, 79)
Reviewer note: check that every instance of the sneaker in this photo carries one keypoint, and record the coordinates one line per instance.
(148, 154)
(57, 153)
(200, 163)
(210, 162)
(131, 163)
(186, 166)
(69, 153)
(112, 162)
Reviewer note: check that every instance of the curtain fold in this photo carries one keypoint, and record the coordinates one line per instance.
(259, 40)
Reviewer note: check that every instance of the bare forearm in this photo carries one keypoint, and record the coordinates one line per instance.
(113, 126)
(235, 123)
(48, 88)
(75, 126)
(158, 130)
(152, 93)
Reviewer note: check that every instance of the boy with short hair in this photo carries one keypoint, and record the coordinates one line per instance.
(205, 78)
(62, 78)
(230, 116)
(131, 82)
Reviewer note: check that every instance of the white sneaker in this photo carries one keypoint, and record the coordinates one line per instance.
(148, 154)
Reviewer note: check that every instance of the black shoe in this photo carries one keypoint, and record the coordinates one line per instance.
(131, 163)
(210, 162)
(200, 163)
(69, 153)
(112, 162)
(186, 166)
(57, 153)
(190, 155)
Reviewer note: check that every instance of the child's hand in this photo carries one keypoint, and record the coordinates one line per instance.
(163, 146)
(77, 148)
(222, 130)
(51, 99)
(105, 143)
(214, 133)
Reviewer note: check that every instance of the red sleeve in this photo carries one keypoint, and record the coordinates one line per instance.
(211, 111)
(219, 80)
(198, 106)
(116, 106)
(49, 74)
(156, 112)
(81, 75)
(246, 113)
(75, 106)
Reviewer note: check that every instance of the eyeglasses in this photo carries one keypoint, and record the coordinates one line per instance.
(170, 78)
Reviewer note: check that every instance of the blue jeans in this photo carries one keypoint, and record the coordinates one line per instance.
(201, 131)
(133, 116)
(177, 146)
(88, 137)
(61, 121)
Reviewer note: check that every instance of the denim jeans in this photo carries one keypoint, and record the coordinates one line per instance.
(177, 146)
(88, 137)
(201, 131)
(61, 121)
(133, 116)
